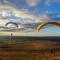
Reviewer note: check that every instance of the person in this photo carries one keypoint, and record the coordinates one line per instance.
(11, 35)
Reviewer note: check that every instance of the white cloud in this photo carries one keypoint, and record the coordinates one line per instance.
(32, 2)
(5, 1)
(24, 15)
(6, 10)
(49, 2)
(58, 16)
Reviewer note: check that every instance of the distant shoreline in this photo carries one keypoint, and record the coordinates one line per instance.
(30, 38)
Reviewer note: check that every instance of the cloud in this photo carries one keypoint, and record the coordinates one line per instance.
(3, 21)
(32, 2)
(24, 15)
(4, 1)
(6, 10)
(58, 16)
(44, 18)
(49, 2)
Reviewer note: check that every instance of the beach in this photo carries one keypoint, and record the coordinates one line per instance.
(29, 48)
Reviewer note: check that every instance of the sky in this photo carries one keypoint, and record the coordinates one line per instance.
(34, 10)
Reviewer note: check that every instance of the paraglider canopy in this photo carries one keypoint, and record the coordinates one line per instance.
(46, 23)
(12, 25)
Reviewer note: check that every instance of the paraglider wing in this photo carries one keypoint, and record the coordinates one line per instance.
(46, 23)
(11, 23)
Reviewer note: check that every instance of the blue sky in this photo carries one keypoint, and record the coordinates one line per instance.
(41, 6)
(37, 8)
